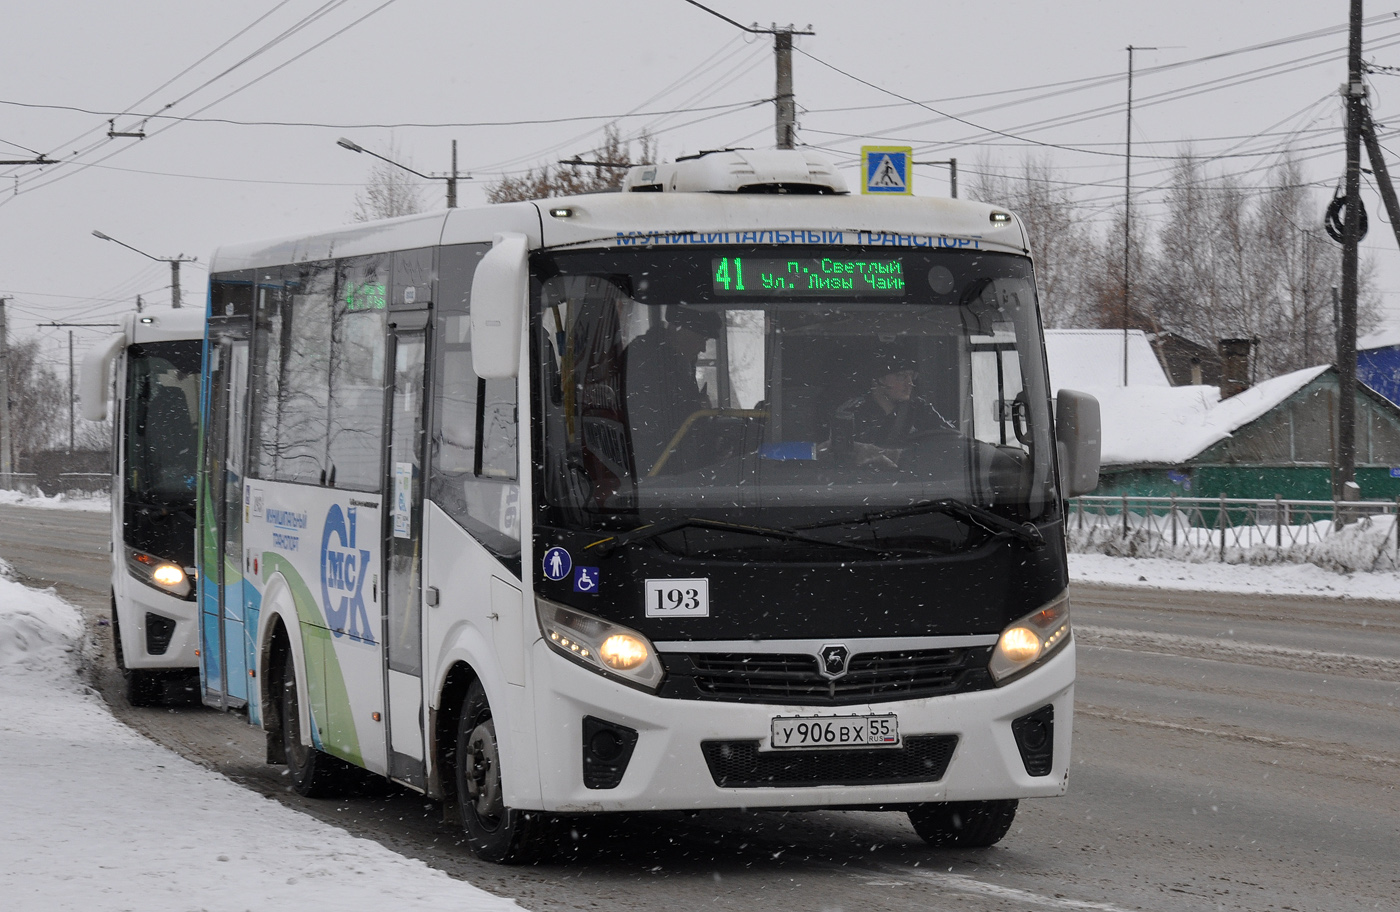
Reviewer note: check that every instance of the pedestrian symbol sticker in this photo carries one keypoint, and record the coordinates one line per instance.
(586, 580)
(557, 563)
(886, 169)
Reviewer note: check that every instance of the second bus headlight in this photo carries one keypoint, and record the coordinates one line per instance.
(1031, 640)
(162, 574)
(598, 645)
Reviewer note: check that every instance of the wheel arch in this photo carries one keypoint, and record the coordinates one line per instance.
(279, 635)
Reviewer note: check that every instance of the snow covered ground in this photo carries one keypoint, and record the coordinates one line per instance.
(95, 817)
(97, 503)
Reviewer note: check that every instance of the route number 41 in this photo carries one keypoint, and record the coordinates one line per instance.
(678, 597)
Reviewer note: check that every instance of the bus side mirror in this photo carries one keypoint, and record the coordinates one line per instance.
(1079, 439)
(96, 375)
(500, 289)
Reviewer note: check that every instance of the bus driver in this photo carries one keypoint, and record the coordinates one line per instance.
(887, 418)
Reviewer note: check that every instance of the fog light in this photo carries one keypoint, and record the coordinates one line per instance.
(1035, 739)
(622, 652)
(607, 749)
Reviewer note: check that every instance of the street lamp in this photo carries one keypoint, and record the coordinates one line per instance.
(450, 178)
(173, 261)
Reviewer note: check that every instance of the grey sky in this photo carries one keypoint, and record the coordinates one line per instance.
(191, 186)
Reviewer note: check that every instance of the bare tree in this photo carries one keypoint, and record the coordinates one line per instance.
(614, 155)
(389, 192)
(1252, 263)
(38, 401)
(1061, 241)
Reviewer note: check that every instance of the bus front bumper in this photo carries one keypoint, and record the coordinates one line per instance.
(668, 767)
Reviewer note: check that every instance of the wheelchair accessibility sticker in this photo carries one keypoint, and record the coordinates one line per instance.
(586, 580)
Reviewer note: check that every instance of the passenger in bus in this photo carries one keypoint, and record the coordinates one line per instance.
(660, 386)
(887, 419)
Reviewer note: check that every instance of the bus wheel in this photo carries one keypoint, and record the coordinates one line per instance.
(495, 833)
(141, 688)
(963, 824)
(315, 774)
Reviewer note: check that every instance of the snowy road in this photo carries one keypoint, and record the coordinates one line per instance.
(1231, 751)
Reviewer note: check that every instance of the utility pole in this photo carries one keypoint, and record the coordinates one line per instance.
(6, 464)
(1128, 217)
(72, 396)
(452, 181)
(952, 164)
(786, 125)
(1354, 93)
(786, 103)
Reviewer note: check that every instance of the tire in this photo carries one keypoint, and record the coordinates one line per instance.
(495, 833)
(963, 824)
(139, 687)
(314, 773)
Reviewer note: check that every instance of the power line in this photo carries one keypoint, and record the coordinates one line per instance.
(81, 166)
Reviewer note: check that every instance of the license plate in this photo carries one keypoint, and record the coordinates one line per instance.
(835, 731)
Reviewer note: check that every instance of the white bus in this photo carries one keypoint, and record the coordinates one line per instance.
(728, 490)
(149, 371)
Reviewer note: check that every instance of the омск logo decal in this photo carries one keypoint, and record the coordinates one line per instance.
(343, 570)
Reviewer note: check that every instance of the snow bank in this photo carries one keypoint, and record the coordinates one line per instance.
(97, 817)
(99, 503)
(1278, 579)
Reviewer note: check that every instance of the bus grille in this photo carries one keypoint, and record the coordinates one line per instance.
(794, 678)
(740, 764)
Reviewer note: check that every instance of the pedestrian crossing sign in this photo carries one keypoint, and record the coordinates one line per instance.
(886, 169)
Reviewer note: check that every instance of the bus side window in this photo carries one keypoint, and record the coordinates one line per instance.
(473, 471)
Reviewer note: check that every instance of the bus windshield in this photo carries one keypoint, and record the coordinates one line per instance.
(788, 385)
(161, 447)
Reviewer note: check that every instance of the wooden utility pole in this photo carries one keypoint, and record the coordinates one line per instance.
(786, 103)
(786, 126)
(1354, 93)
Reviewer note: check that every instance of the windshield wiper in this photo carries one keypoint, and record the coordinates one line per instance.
(652, 530)
(999, 526)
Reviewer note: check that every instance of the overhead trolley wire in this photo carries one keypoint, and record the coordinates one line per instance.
(79, 166)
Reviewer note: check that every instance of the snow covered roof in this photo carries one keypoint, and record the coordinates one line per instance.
(1386, 337)
(1171, 424)
(1084, 358)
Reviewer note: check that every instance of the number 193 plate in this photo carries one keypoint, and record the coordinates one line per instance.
(835, 731)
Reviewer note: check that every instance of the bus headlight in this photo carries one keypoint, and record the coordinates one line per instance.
(598, 645)
(160, 573)
(1031, 640)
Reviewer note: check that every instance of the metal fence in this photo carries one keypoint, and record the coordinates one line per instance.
(1343, 535)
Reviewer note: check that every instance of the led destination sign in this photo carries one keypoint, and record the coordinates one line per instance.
(808, 276)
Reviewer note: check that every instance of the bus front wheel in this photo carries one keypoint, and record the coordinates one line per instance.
(141, 688)
(314, 773)
(496, 833)
(963, 824)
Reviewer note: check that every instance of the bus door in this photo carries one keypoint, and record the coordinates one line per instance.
(223, 623)
(403, 551)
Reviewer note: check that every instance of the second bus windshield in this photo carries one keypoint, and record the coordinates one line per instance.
(793, 382)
